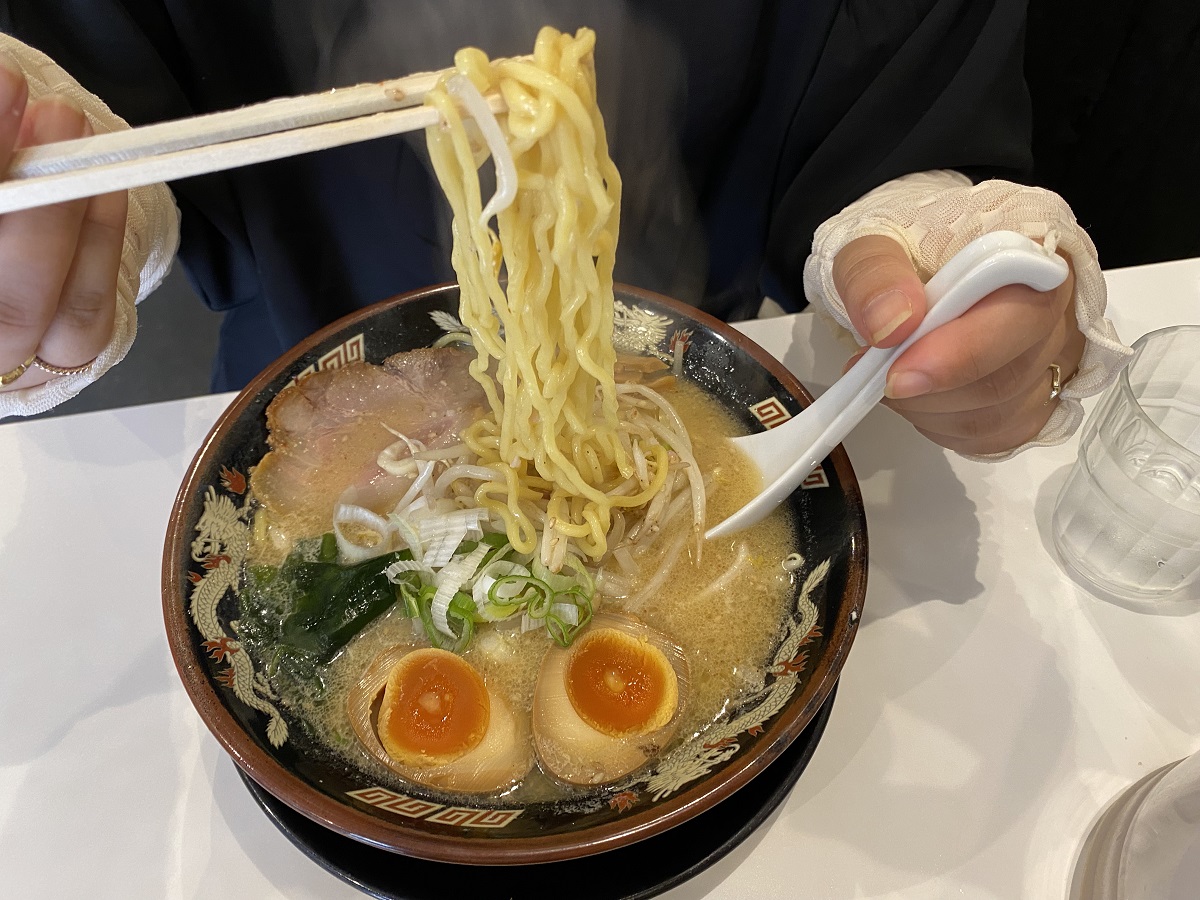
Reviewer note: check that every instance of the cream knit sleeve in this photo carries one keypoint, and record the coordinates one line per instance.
(934, 215)
(151, 238)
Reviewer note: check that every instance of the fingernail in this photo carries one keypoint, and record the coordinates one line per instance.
(885, 313)
(902, 385)
(12, 86)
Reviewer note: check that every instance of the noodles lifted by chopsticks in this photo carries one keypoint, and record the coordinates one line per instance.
(565, 454)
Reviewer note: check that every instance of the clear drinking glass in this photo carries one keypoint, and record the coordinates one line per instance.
(1146, 844)
(1128, 518)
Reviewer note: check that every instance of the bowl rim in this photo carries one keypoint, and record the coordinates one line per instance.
(462, 849)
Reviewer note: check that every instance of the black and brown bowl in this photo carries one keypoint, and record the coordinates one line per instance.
(202, 574)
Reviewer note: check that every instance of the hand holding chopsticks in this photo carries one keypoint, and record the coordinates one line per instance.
(58, 297)
(266, 131)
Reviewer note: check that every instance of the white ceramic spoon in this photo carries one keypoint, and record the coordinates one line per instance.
(788, 453)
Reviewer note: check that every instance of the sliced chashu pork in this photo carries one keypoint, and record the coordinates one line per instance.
(326, 433)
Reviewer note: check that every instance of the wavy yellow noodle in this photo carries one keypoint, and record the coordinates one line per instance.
(537, 297)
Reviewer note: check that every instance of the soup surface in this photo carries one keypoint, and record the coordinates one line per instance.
(723, 610)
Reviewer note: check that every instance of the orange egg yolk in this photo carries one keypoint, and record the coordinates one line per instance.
(435, 708)
(619, 684)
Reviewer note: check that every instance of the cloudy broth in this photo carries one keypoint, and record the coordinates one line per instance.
(724, 610)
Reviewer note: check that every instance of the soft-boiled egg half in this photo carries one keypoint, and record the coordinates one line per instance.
(609, 702)
(429, 716)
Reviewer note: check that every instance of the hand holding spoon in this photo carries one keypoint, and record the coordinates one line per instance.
(788, 453)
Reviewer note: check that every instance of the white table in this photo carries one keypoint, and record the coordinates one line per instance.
(988, 711)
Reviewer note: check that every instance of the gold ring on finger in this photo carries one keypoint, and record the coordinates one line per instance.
(12, 375)
(1056, 384)
(61, 370)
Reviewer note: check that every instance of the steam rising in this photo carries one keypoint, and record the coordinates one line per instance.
(642, 92)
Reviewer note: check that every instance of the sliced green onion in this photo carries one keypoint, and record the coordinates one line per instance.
(566, 618)
(329, 548)
(450, 579)
(442, 535)
(540, 599)
(403, 566)
(496, 595)
(349, 551)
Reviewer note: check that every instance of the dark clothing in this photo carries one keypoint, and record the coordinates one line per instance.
(1117, 121)
(738, 128)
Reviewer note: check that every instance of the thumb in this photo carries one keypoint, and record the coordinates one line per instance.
(13, 96)
(884, 296)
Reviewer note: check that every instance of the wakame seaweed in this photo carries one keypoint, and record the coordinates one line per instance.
(299, 615)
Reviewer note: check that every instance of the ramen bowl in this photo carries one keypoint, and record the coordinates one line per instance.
(203, 576)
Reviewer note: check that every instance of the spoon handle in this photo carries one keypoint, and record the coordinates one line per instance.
(788, 453)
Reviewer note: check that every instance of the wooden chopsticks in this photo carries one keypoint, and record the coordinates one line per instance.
(211, 143)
